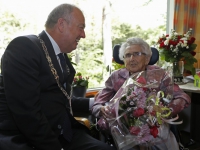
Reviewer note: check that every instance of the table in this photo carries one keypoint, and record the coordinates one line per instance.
(189, 87)
(191, 115)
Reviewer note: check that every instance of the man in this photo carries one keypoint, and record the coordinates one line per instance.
(35, 110)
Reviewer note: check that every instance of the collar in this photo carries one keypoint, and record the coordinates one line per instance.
(124, 73)
(54, 44)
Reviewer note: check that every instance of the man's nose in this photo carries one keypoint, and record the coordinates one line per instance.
(83, 34)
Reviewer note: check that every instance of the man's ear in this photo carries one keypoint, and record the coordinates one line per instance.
(61, 25)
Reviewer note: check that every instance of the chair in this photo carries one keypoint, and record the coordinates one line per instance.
(82, 113)
(153, 60)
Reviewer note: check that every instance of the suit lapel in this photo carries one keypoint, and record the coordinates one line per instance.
(55, 60)
(52, 54)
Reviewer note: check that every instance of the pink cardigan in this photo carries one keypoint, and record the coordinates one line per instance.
(116, 80)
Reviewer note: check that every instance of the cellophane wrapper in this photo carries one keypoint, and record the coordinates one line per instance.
(139, 110)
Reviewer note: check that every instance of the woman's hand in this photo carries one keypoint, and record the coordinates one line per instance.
(105, 112)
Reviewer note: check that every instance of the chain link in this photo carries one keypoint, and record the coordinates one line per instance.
(54, 72)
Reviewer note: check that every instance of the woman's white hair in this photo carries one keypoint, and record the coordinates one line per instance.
(134, 41)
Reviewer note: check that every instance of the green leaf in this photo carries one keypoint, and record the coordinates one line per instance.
(193, 47)
(84, 83)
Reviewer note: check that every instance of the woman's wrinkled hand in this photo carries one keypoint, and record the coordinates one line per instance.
(105, 112)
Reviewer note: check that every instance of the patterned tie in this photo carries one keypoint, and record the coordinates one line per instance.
(64, 66)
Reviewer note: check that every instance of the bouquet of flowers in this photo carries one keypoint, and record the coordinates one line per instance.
(176, 47)
(139, 111)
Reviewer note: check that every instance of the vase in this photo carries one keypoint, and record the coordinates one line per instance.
(178, 68)
(79, 91)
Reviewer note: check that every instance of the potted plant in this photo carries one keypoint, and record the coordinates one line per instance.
(79, 85)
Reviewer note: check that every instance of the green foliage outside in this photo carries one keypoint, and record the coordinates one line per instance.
(116, 66)
(10, 25)
(90, 49)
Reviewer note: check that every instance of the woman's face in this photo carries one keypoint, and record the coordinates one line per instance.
(135, 60)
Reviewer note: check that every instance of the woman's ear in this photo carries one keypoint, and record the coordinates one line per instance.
(147, 60)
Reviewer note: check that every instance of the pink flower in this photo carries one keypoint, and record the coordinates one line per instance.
(134, 130)
(138, 112)
(162, 44)
(145, 134)
(174, 43)
(193, 53)
(154, 131)
(141, 80)
(153, 113)
(198, 73)
(191, 41)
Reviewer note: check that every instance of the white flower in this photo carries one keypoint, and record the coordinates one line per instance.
(166, 42)
(131, 103)
(162, 36)
(185, 44)
(184, 39)
(175, 33)
(176, 49)
(178, 44)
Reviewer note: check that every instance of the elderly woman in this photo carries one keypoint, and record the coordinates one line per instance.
(136, 54)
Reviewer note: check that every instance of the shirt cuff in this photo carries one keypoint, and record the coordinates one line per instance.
(91, 102)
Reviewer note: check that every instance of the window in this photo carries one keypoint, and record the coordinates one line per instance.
(108, 22)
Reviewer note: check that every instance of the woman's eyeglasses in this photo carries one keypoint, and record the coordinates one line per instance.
(135, 54)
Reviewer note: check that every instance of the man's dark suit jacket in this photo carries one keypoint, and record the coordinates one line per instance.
(33, 107)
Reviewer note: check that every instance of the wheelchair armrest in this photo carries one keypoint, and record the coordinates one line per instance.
(83, 121)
